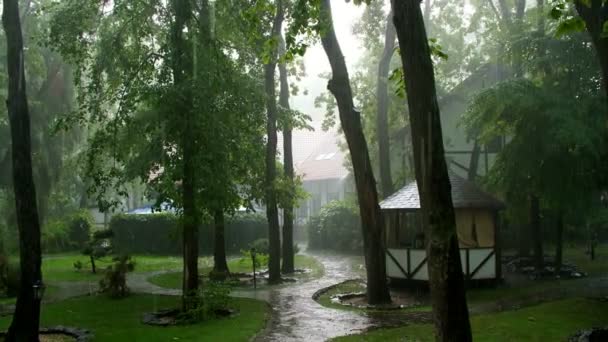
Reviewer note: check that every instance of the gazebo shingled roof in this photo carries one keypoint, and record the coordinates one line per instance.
(465, 194)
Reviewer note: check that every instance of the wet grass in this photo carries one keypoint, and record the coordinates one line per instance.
(553, 321)
(60, 267)
(120, 320)
(173, 280)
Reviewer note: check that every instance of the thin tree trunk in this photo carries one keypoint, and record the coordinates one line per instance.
(181, 68)
(446, 279)
(219, 247)
(386, 181)
(474, 162)
(26, 318)
(272, 213)
(93, 268)
(595, 16)
(372, 222)
(288, 251)
(559, 243)
(537, 239)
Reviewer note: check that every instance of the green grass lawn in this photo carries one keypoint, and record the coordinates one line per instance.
(553, 321)
(118, 320)
(577, 256)
(60, 267)
(173, 280)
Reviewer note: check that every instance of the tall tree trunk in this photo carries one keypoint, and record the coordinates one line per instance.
(474, 162)
(450, 310)
(372, 222)
(386, 181)
(219, 243)
(181, 69)
(537, 238)
(272, 213)
(595, 16)
(26, 318)
(559, 242)
(288, 251)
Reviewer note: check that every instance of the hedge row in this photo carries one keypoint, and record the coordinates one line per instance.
(160, 234)
(337, 227)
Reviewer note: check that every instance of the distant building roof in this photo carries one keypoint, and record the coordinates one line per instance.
(465, 194)
(317, 154)
(326, 161)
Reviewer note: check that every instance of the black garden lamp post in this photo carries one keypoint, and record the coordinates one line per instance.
(39, 289)
(253, 253)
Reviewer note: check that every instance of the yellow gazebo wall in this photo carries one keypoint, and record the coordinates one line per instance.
(484, 226)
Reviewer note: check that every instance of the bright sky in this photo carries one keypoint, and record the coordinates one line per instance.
(315, 60)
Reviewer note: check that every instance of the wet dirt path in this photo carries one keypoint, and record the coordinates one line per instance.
(297, 317)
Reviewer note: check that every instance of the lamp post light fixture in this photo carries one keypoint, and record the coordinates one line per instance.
(253, 253)
(39, 289)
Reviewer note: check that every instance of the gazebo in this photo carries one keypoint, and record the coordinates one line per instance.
(477, 226)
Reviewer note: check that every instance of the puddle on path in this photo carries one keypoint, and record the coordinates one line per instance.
(297, 317)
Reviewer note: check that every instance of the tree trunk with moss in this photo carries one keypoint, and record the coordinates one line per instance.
(182, 69)
(26, 317)
(272, 213)
(220, 265)
(288, 251)
(372, 222)
(446, 280)
(537, 236)
(386, 180)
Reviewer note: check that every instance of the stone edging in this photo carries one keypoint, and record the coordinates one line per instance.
(324, 290)
(81, 335)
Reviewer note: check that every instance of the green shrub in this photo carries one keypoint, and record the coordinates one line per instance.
(261, 260)
(67, 233)
(260, 245)
(80, 225)
(10, 277)
(114, 282)
(336, 227)
(159, 233)
(211, 301)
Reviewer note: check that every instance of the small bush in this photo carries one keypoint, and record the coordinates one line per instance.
(260, 245)
(211, 301)
(80, 226)
(261, 260)
(78, 265)
(336, 227)
(9, 277)
(13, 280)
(67, 233)
(114, 282)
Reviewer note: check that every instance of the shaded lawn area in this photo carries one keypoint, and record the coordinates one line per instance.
(173, 280)
(60, 267)
(553, 321)
(577, 255)
(120, 319)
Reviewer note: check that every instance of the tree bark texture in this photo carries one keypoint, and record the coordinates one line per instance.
(559, 242)
(372, 222)
(26, 318)
(595, 16)
(474, 162)
(181, 69)
(219, 243)
(537, 237)
(272, 213)
(450, 312)
(288, 251)
(386, 180)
